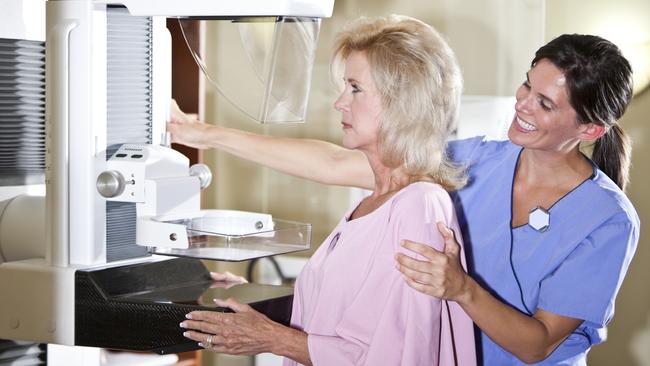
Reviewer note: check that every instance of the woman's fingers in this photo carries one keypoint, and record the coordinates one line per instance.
(176, 115)
(207, 316)
(200, 326)
(451, 244)
(244, 332)
(421, 276)
(422, 249)
(421, 287)
(440, 274)
(406, 262)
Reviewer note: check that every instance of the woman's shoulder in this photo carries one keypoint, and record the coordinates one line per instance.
(421, 196)
(608, 196)
(422, 188)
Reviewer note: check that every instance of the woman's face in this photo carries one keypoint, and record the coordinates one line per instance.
(544, 118)
(359, 104)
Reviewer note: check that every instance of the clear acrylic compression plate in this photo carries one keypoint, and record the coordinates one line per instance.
(227, 235)
(261, 65)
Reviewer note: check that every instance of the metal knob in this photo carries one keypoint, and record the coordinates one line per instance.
(202, 172)
(110, 183)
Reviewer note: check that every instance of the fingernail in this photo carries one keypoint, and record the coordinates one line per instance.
(402, 242)
(188, 316)
(217, 300)
(201, 344)
(183, 325)
(186, 334)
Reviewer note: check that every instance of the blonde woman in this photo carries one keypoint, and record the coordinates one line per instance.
(351, 306)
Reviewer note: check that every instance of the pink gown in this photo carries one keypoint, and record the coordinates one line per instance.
(355, 305)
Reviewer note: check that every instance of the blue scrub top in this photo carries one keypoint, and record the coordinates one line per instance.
(574, 268)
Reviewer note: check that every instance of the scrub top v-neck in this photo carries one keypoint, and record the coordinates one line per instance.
(546, 210)
(574, 268)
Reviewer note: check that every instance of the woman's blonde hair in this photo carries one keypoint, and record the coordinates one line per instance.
(419, 81)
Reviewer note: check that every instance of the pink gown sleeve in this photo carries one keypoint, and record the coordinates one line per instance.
(405, 324)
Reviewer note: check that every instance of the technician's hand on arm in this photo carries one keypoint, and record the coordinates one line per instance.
(529, 338)
(245, 332)
(315, 160)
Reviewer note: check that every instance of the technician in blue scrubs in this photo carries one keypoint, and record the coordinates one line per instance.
(548, 231)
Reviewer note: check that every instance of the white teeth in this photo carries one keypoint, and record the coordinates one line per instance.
(525, 125)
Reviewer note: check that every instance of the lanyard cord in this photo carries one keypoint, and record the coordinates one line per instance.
(514, 273)
(512, 264)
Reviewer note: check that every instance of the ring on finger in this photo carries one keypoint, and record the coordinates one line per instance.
(209, 340)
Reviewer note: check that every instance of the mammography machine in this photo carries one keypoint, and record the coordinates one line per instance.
(109, 256)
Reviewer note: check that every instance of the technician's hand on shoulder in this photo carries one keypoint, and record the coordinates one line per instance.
(440, 274)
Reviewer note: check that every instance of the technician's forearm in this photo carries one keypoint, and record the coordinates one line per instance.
(524, 336)
(315, 160)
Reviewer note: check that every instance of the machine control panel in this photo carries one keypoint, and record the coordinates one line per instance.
(124, 179)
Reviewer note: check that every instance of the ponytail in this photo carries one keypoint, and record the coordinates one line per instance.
(612, 155)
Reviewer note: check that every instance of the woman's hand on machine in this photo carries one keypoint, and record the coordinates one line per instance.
(440, 274)
(245, 331)
(186, 130)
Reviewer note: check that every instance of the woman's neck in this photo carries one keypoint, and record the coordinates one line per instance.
(553, 168)
(387, 180)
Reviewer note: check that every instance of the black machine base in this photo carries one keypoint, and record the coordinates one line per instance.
(139, 307)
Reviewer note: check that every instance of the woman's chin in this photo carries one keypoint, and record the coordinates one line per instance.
(346, 143)
(515, 136)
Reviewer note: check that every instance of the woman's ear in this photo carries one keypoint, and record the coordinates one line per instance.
(592, 132)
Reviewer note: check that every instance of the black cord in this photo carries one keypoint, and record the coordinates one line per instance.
(276, 266)
(514, 272)
(512, 264)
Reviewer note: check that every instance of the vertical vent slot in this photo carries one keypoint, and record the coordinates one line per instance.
(22, 112)
(129, 114)
(129, 77)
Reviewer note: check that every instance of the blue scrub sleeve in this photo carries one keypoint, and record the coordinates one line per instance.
(463, 152)
(585, 285)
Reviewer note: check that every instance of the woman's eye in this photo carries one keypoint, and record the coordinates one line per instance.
(544, 105)
(355, 89)
(526, 84)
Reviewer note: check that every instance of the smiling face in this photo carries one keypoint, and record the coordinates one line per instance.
(544, 118)
(360, 105)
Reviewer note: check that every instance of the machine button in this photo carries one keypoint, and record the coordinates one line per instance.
(136, 156)
(120, 155)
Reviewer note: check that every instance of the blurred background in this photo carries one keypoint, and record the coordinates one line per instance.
(495, 41)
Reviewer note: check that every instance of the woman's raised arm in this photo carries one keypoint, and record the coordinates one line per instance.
(316, 160)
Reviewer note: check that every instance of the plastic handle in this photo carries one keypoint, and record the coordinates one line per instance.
(58, 101)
